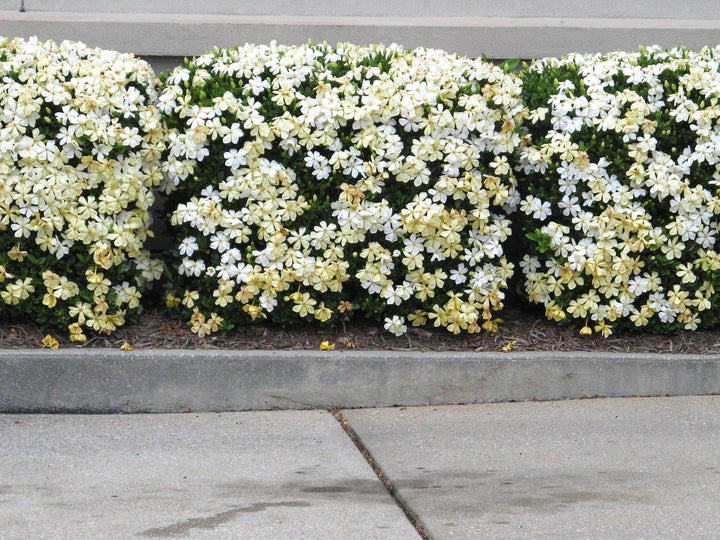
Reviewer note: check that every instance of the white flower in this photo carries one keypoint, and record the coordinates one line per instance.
(190, 267)
(459, 274)
(268, 303)
(166, 102)
(188, 246)
(178, 76)
(536, 207)
(413, 245)
(235, 158)
(397, 295)
(231, 134)
(530, 264)
(395, 325)
(226, 271)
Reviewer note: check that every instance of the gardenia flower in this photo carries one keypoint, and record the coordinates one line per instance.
(395, 325)
(537, 208)
(188, 246)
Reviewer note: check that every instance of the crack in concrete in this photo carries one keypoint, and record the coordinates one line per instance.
(291, 400)
(409, 513)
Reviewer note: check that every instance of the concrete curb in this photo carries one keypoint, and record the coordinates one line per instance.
(113, 381)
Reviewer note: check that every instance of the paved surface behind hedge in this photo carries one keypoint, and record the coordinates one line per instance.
(612, 468)
(167, 29)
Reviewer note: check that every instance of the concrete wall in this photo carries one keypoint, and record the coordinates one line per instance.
(164, 30)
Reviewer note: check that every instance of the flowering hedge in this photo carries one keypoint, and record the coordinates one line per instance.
(620, 189)
(317, 182)
(80, 142)
(314, 181)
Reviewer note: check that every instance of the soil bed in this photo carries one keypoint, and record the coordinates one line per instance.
(525, 331)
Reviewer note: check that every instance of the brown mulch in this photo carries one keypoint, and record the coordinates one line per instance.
(525, 331)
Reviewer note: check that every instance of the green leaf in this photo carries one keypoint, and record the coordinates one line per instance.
(510, 64)
(541, 239)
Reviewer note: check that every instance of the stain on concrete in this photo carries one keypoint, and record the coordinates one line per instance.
(358, 489)
(445, 479)
(211, 522)
(552, 502)
(327, 489)
(500, 495)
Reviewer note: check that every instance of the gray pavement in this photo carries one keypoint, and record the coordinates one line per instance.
(284, 474)
(605, 468)
(600, 468)
(163, 30)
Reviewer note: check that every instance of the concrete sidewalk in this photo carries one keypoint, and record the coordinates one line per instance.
(603, 468)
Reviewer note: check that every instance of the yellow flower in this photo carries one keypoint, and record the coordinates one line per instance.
(491, 325)
(214, 322)
(304, 305)
(554, 312)
(189, 298)
(50, 342)
(14, 293)
(418, 318)
(685, 272)
(50, 279)
(701, 301)
(510, 345)
(76, 333)
(97, 282)
(604, 328)
(327, 346)
(49, 300)
(16, 254)
(323, 313)
(586, 331)
(172, 301)
(255, 312)
(126, 346)
(103, 255)
(222, 296)
(4, 274)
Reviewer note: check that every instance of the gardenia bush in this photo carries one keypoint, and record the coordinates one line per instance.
(80, 142)
(620, 189)
(314, 182)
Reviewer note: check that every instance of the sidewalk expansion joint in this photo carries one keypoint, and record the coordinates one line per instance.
(409, 514)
